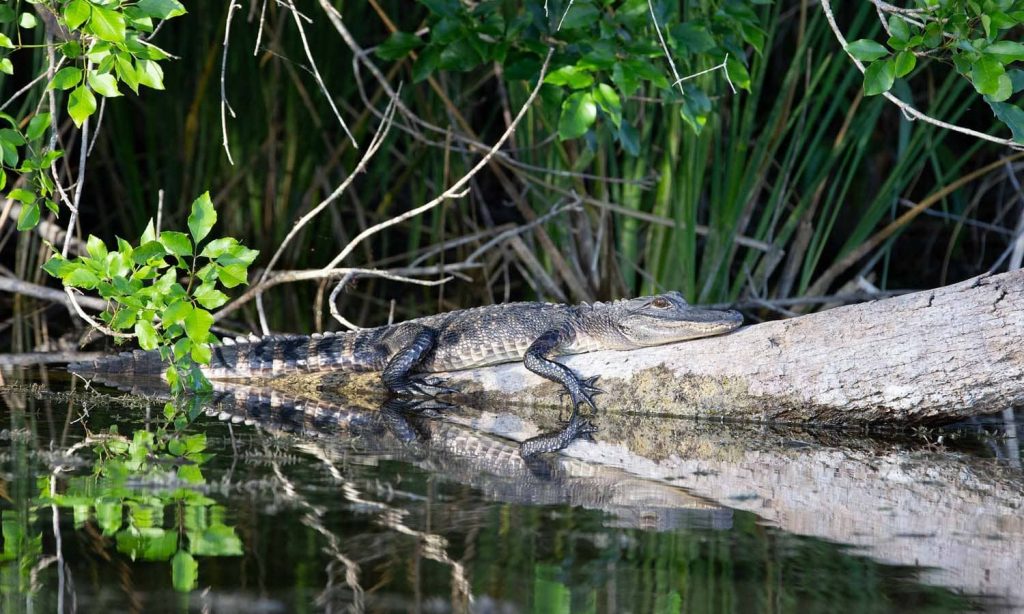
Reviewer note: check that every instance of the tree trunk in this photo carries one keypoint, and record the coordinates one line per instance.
(928, 357)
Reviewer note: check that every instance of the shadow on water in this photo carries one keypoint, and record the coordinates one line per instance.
(255, 500)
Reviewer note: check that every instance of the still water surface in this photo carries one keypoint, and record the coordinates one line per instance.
(110, 504)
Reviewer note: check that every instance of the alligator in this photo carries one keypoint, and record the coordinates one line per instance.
(464, 339)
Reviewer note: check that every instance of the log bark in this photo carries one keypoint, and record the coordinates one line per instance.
(923, 358)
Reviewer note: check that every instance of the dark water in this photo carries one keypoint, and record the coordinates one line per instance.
(111, 503)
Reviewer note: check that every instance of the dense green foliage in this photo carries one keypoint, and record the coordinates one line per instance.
(977, 37)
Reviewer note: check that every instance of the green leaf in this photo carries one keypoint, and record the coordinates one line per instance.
(149, 74)
(580, 15)
(1006, 51)
(738, 73)
(571, 76)
(107, 24)
(695, 109)
(608, 99)
(58, 266)
(6, 66)
(29, 216)
(76, 13)
(905, 62)
(147, 251)
(96, 248)
(27, 21)
(176, 313)
(578, 114)
(176, 243)
(238, 254)
(81, 104)
(197, 325)
(1012, 116)
(201, 353)
(149, 339)
(459, 55)
(866, 50)
(398, 45)
(184, 572)
(232, 275)
(986, 73)
(161, 9)
(426, 63)
(630, 139)
(209, 296)
(104, 84)
(899, 28)
(218, 247)
(126, 72)
(879, 77)
(22, 195)
(692, 38)
(149, 234)
(6, 42)
(7, 15)
(66, 78)
(38, 126)
(81, 277)
(202, 218)
(124, 318)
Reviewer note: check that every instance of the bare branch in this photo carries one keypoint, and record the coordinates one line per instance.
(316, 71)
(225, 106)
(378, 139)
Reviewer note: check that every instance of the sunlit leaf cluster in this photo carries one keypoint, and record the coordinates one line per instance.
(164, 287)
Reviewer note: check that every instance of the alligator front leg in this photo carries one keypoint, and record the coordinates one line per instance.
(538, 360)
(397, 375)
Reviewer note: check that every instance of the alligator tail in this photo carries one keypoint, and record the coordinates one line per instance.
(253, 356)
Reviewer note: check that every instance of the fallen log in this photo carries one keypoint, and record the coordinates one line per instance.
(922, 358)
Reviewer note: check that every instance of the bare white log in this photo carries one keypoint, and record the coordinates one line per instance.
(925, 357)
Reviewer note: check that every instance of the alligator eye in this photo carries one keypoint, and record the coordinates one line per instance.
(661, 303)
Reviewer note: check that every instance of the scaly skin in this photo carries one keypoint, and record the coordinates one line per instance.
(464, 339)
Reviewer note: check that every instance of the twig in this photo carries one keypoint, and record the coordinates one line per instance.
(909, 111)
(562, 20)
(378, 140)
(259, 32)
(518, 230)
(351, 275)
(316, 72)
(28, 86)
(456, 189)
(280, 277)
(225, 106)
(25, 288)
(664, 47)
(722, 66)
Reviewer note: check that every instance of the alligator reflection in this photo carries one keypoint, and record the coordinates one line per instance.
(427, 434)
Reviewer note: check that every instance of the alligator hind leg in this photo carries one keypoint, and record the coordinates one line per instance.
(537, 359)
(397, 375)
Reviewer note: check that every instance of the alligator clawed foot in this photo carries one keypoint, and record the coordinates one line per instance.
(582, 392)
(589, 387)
